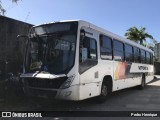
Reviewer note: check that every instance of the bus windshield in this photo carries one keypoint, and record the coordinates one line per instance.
(52, 52)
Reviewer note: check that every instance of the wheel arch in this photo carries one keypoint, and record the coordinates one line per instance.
(108, 80)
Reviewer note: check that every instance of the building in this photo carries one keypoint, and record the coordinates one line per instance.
(157, 52)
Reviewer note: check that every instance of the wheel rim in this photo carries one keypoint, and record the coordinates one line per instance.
(104, 90)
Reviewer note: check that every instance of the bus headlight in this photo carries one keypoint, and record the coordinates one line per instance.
(68, 82)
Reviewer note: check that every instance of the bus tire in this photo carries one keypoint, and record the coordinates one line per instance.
(143, 82)
(105, 92)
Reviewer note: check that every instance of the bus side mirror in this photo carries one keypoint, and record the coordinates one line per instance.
(82, 34)
(83, 50)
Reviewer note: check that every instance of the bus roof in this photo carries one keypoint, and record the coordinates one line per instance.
(105, 32)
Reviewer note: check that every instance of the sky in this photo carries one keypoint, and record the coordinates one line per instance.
(116, 16)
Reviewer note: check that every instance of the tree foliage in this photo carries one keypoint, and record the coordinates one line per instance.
(15, 1)
(138, 35)
(2, 10)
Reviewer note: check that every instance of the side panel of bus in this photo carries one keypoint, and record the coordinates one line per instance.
(124, 73)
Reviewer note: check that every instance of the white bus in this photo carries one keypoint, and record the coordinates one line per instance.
(76, 60)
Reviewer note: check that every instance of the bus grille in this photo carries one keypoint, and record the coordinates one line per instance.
(37, 93)
(45, 83)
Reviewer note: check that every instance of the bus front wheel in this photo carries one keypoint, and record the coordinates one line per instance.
(104, 92)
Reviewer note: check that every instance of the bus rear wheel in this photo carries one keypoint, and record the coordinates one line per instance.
(143, 82)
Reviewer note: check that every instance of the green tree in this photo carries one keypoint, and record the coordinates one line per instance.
(138, 35)
(2, 10)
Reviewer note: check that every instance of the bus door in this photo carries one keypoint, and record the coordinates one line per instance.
(88, 60)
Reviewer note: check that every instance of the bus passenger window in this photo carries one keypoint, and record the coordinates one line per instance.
(151, 58)
(148, 58)
(106, 47)
(137, 55)
(118, 51)
(129, 53)
(143, 56)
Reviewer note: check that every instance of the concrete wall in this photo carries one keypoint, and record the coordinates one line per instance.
(157, 68)
(11, 50)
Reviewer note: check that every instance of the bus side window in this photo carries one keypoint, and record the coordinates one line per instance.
(148, 58)
(118, 50)
(151, 58)
(88, 49)
(105, 47)
(87, 54)
(137, 55)
(143, 56)
(129, 53)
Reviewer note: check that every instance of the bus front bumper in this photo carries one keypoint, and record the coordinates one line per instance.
(70, 93)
